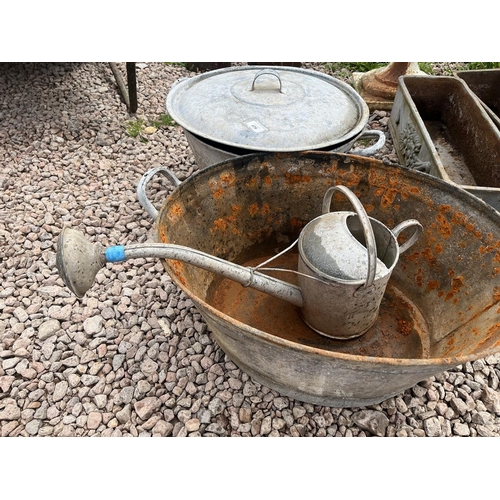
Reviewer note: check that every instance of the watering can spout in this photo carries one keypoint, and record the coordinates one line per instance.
(78, 262)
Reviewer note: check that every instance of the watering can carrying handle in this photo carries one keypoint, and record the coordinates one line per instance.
(141, 188)
(365, 222)
(414, 237)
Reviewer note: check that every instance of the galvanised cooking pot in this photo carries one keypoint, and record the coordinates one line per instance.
(244, 109)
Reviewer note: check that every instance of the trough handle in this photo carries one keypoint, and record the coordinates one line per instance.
(365, 222)
(414, 237)
(267, 72)
(371, 134)
(141, 188)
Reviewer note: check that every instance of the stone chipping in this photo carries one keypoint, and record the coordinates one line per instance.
(134, 357)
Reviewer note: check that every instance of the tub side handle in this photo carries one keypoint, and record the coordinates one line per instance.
(141, 188)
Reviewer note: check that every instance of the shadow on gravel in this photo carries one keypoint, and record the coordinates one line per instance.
(51, 96)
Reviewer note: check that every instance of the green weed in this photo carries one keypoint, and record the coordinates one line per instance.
(426, 67)
(182, 64)
(164, 120)
(134, 127)
(361, 67)
(482, 65)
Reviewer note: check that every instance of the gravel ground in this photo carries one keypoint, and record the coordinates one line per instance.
(134, 357)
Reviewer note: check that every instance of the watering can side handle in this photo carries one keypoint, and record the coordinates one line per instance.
(141, 188)
(414, 237)
(371, 245)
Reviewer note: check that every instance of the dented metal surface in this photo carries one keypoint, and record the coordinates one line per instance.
(439, 126)
(443, 298)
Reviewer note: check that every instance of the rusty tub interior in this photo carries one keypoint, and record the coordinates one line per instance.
(442, 301)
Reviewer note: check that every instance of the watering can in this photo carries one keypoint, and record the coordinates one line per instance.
(345, 261)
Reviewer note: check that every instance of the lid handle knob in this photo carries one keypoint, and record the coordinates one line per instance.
(267, 72)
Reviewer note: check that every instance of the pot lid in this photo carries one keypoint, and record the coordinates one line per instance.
(328, 247)
(268, 108)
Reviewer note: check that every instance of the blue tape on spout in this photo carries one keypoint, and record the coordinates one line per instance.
(115, 254)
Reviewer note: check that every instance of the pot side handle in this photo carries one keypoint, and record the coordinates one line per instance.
(141, 188)
(414, 237)
(370, 134)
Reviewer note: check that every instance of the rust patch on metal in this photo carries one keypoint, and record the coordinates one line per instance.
(218, 193)
(433, 285)
(456, 284)
(389, 197)
(460, 219)
(404, 327)
(296, 178)
(428, 256)
(220, 225)
(162, 234)
(419, 277)
(489, 334)
(228, 178)
(349, 178)
(296, 223)
(253, 209)
(178, 270)
(444, 227)
(487, 249)
(175, 211)
(413, 256)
